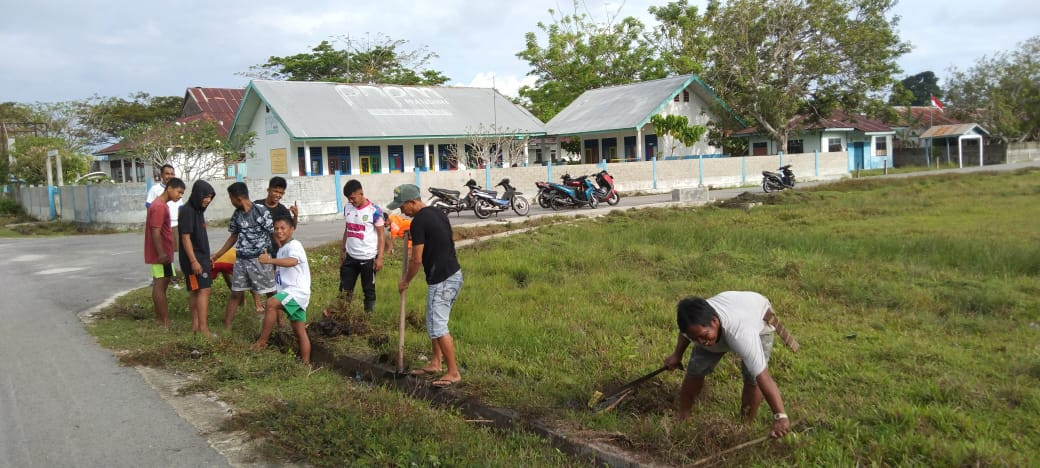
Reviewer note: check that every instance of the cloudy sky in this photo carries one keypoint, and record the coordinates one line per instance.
(54, 50)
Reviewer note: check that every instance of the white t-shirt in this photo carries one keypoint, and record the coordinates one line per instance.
(740, 319)
(361, 223)
(294, 281)
(175, 206)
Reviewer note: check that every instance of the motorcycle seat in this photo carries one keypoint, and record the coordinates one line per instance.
(449, 192)
(767, 173)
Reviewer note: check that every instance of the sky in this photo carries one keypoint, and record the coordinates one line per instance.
(58, 50)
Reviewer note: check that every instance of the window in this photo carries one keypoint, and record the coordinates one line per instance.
(881, 147)
(834, 144)
(370, 159)
(760, 148)
(339, 159)
(795, 147)
(685, 96)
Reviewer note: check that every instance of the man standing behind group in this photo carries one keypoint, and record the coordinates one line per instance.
(434, 249)
(362, 250)
(273, 202)
(165, 174)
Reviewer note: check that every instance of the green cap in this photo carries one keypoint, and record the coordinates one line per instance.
(402, 194)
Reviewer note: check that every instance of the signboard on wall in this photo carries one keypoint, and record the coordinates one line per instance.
(270, 125)
(279, 165)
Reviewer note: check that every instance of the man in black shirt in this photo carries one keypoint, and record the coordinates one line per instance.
(275, 191)
(434, 249)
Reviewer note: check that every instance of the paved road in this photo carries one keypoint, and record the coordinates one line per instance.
(64, 400)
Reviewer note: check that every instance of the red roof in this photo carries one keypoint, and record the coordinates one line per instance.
(837, 119)
(217, 104)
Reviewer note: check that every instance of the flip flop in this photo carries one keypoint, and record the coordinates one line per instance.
(441, 383)
(420, 372)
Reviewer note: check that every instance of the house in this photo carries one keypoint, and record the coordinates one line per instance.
(970, 135)
(318, 128)
(215, 104)
(868, 141)
(610, 121)
(911, 121)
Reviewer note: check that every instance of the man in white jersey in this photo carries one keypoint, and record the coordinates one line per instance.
(293, 277)
(730, 321)
(362, 249)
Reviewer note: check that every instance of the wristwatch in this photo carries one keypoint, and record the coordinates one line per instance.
(779, 416)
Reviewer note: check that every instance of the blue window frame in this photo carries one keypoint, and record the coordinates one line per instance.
(420, 157)
(371, 159)
(396, 158)
(314, 168)
(630, 148)
(339, 159)
(609, 149)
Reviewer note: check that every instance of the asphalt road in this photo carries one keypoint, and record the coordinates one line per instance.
(65, 401)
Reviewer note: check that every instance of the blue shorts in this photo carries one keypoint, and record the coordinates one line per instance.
(702, 362)
(439, 299)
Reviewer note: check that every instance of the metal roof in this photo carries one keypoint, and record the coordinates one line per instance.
(943, 131)
(838, 120)
(622, 107)
(320, 110)
(217, 104)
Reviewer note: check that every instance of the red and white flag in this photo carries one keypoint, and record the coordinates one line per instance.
(936, 103)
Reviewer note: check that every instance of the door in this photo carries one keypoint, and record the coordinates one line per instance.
(857, 154)
(396, 158)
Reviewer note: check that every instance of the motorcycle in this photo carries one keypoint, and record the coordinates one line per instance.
(450, 201)
(772, 181)
(567, 194)
(606, 191)
(488, 202)
(545, 194)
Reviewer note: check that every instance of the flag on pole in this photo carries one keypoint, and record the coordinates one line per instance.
(936, 103)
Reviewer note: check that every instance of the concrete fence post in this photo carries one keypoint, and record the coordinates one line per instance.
(487, 176)
(90, 207)
(549, 166)
(339, 192)
(654, 164)
(816, 162)
(743, 170)
(700, 170)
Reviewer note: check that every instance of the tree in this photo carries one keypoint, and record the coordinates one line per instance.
(681, 37)
(1002, 93)
(489, 145)
(108, 117)
(677, 129)
(581, 54)
(30, 160)
(771, 60)
(379, 60)
(919, 88)
(195, 148)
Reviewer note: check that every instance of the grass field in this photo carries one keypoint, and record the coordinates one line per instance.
(916, 303)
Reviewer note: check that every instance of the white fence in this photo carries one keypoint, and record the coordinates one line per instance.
(319, 197)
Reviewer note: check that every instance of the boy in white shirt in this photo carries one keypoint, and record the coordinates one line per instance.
(293, 277)
(363, 243)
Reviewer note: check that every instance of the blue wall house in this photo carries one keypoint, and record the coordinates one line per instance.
(867, 141)
(613, 123)
(318, 128)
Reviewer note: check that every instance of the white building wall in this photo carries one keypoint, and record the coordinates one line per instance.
(269, 135)
(699, 114)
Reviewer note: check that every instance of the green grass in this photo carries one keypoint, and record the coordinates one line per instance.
(915, 302)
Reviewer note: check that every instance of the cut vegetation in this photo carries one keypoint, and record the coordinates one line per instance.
(915, 302)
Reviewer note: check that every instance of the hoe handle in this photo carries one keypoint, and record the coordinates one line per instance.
(401, 322)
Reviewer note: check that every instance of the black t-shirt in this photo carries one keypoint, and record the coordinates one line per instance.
(278, 211)
(431, 229)
(191, 221)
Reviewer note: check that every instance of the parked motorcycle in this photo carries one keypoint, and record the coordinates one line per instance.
(605, 191)
(450, 201)
(772, 181)
(574, 192)
(545, 194)
(488, 202)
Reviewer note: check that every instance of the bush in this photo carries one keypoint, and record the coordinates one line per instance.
(10, 207)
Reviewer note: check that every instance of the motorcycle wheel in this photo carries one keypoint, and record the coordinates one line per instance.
(556, 203)
(766, 186)
(544, 199)
(520, 205)
(614, 199)
(593, 202)
(482, 209)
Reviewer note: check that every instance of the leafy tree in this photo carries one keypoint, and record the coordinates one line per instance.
(921, 87)
(379, 60)
(107, 118)
(678, 130)
(488, 144)
(573, 145)
(581, 54)
(195, 148)
(1001, 93)
(681, 37)
(771, 60)
(30, 157)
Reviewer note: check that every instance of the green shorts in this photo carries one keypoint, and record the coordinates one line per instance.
(161, 270)
(292, 309)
